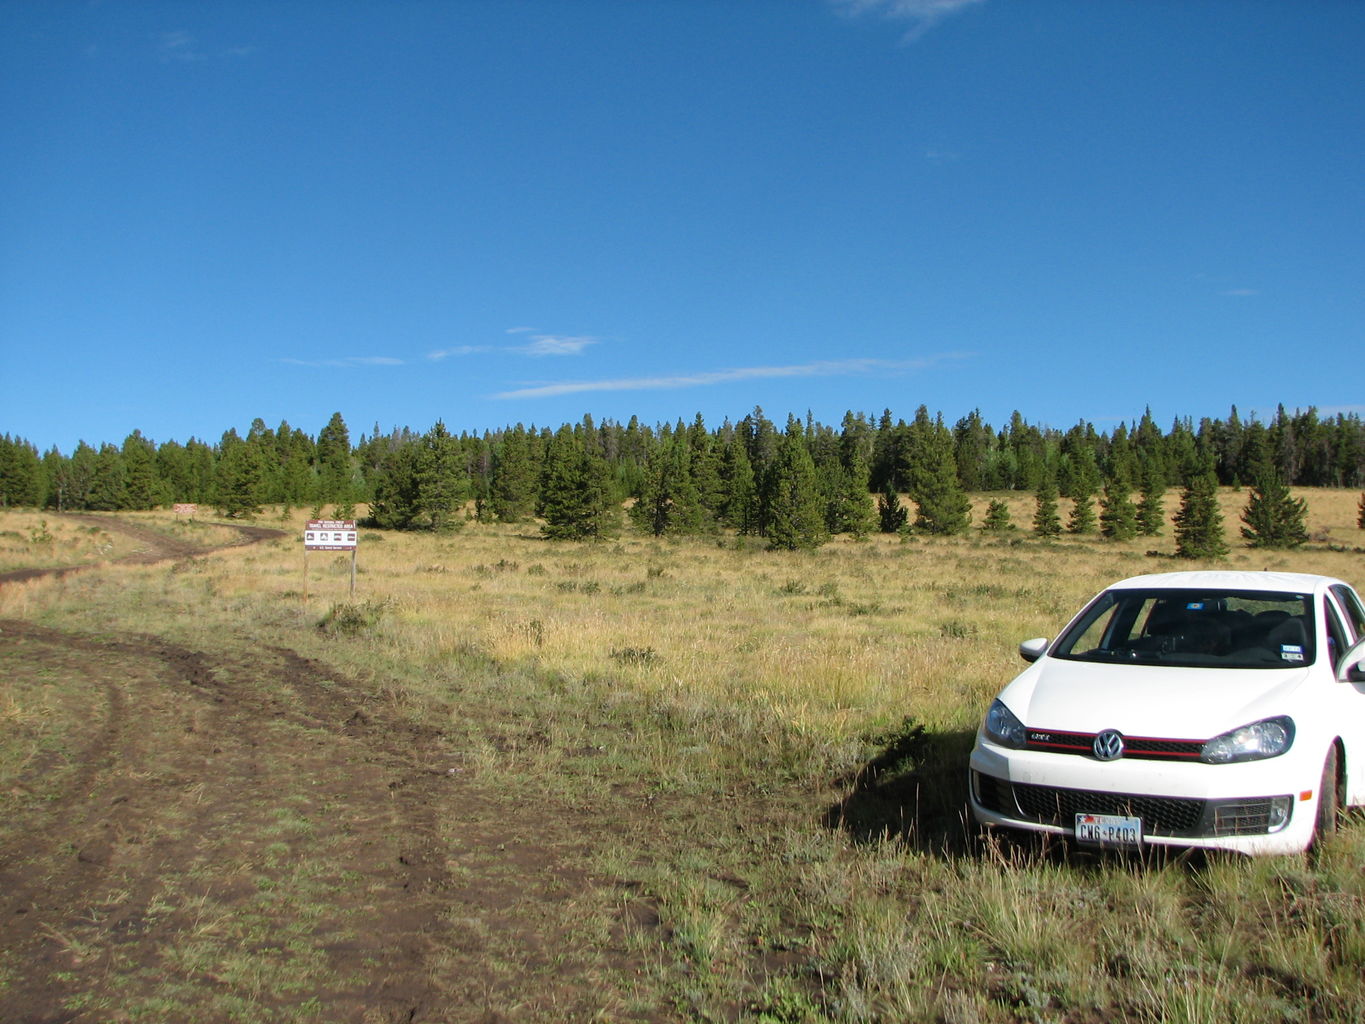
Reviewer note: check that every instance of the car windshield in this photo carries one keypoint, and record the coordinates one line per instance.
(1216, 629)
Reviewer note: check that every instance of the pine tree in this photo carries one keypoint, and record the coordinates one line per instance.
(334, 461)
(109, 485)
(1118, 515)
(1082, 517)
(1083, 481)
(997, 517)
(22, 479)
(512, 491)
(1151, 509)
(575, 501)
(704, 470)
(943, 509)
(144, 490)
(442, 477)
(850, 504)
(931, 469)
(1046, 522)
(78, 476)
(1273, 517)
(667, 502)
(239, 478)
(397, 498)
(891, 514)
(1199, 522)
(795, 515)
(739, 501)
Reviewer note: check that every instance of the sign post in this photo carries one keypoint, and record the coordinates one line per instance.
(330, 535)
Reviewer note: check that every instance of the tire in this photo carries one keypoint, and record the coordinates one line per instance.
(1329, 799)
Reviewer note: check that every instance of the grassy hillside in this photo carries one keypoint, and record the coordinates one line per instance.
(728, 782)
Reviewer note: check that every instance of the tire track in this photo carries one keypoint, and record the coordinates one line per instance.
(186, 809)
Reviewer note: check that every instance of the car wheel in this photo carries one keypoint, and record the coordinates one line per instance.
(1329, 803)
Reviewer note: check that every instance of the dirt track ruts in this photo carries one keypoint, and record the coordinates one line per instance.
(217, 815)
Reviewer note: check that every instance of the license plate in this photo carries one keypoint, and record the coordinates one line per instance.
(1108, 829)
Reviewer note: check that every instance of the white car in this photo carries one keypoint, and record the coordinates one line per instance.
(1223, 710)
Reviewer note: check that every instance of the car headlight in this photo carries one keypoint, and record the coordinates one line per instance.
(1003, 727)
(1270, 737)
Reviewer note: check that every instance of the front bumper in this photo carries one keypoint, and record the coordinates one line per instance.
(1187, 805)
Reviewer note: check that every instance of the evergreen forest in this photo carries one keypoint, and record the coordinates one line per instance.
(795, 484)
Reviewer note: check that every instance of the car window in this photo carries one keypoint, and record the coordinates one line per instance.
(1350, 604)
(1337, 637)
(1216, 629)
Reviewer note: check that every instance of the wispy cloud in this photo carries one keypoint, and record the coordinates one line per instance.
(181, 47)
(345, 361)
(936, 155)
(458, 350)
(826, 368)
(178, 46)
(556, 345)
(921, 15)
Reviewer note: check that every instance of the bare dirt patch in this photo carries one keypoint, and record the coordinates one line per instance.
(254, 838)
(246, 834)
(153, 545)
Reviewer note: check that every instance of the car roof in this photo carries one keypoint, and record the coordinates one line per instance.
(1229, 579)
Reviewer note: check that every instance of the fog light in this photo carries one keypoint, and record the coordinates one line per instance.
(1279, 813)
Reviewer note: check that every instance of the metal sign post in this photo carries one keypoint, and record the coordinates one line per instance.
(330, 535)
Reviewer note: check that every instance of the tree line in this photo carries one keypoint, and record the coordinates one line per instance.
(794, 485)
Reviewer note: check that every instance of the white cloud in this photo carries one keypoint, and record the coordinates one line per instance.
(345, 361)
(828, 368)
(921, 14)
(181, 47)
(458, 350)
(556, 345)
(178, 46)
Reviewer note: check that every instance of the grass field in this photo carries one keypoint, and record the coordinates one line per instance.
(512, 779)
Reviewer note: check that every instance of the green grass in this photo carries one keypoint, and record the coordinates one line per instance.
(743, 773)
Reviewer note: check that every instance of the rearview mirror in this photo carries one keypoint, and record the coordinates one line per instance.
(1032, 650)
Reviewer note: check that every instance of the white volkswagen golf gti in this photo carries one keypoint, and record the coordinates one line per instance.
(1201, 709)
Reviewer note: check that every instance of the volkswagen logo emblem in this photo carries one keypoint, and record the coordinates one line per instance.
(1108, 745)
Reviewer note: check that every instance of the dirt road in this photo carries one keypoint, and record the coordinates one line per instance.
(254, 837)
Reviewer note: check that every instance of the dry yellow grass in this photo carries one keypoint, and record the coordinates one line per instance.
(826, 641)
(725, 646)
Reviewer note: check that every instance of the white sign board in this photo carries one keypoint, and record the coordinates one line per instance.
(331, 535)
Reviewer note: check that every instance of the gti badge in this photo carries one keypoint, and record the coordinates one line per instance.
(1108, 745)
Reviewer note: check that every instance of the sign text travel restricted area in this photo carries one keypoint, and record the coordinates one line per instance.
(330, 535)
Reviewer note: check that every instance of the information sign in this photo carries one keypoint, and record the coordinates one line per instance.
(331, 535)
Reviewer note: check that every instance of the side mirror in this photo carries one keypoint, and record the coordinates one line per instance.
(1032, 650)
(1351, 667)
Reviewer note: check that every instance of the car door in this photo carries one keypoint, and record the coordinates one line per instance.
(1344, 622)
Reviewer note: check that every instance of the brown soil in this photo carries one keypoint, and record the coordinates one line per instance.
(155, 858)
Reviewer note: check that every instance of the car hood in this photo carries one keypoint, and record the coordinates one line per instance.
(1143, 700)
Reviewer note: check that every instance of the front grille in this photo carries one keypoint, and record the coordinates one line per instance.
(1142, 747)
(1162, 815)
(1167, 816)
(1173, 817)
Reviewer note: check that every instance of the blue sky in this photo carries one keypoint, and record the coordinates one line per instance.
(524, 211)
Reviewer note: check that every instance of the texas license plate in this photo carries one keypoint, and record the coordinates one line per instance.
(1108, 829)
